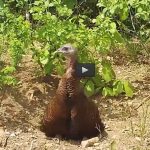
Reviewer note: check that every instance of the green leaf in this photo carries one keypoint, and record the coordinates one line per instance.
(44, 57)
(8, 70)
(113, 145)
(70, 3)
(124, 14)
(44, 60)
(139, 10)
(112, 11)
(51, 4)
(113, 27)
(118, 37)
(60, 69)
(93, 20)
(128, 88)
(48, 68)
(37, 3)
(89, 88)
(107, 72)
(131, 2)
(107, 91)
(1, 4)
(7, 80)
(46, 3)
(97, 80)
(117, 88)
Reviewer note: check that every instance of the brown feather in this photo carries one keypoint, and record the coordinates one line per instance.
(70, 114)
(85, 119)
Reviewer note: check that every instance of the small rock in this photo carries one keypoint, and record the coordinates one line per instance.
(90, 148)
(18, 132)
(148, 142)
(48, 145)
(106, 126)
(96, 144)
(7, 133)
(89, 142)
(19, 144)
(2, 133)
(118, 71)
(138, 139)
(130, 103)
(30, 129)
(34, 137)
(12, 134)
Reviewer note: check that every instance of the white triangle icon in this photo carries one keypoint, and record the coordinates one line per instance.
(84, 70)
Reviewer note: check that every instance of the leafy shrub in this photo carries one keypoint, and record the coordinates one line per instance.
(6, 77)
(54, 23)
(132, 16)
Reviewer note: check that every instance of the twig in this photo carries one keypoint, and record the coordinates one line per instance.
(132, 21)
(56, 76)
(6, 141)
(145, 100)
(99, 130)
(31, 145)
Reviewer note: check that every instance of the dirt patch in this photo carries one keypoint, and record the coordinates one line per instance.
(21, 108)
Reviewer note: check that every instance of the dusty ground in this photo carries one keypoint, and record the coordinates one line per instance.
(127, 120)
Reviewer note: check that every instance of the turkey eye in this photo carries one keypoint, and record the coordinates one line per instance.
(65, 49)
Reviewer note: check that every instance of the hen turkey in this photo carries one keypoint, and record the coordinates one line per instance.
(70, 114)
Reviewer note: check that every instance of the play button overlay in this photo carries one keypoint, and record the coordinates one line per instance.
(85, 70)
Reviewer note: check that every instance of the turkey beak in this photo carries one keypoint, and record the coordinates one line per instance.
(59, 50)
(56, 53)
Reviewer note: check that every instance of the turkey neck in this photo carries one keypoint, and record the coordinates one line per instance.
(72, 81)
(71, 62)
(69, 84)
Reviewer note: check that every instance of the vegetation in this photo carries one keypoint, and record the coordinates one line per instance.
(95, 27)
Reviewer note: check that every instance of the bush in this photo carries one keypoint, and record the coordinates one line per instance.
(50, 24)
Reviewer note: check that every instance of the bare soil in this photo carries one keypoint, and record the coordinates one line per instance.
(127, 120)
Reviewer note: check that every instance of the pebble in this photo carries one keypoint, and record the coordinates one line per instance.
(89, 142)
(2, 133)
(148, 142)
(96, 144)
(48, 145)
(138, 139)
(12, 134)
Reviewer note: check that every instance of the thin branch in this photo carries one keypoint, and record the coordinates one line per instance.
(31, 145)
(6, 141)
(131, 17)
(144, 101)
